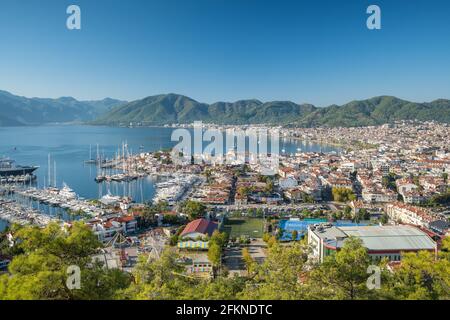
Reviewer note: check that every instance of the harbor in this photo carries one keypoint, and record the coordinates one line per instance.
(174, 189)
(119, 177)
(7, 190)
(13, 212)
(143, 176)
(64, 198)
(20, 179)
(119, 169)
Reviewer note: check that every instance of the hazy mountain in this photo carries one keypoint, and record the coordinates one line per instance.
(17, 110)
(101, 106)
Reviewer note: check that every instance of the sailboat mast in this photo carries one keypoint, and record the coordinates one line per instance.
(49, 171)
(123, 156)
(54, 173)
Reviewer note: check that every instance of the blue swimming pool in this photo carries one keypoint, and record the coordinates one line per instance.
(301, 226)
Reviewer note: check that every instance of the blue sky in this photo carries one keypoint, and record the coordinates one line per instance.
(224, 50)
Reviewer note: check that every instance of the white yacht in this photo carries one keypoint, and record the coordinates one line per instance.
(109, 199)
(67, 192)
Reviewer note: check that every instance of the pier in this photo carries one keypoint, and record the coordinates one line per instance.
(63, 198)
(13, 212)
(119, 177)
(174, 189)
(7, 190)
(21, 179)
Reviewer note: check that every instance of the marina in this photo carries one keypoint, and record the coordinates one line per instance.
(72, 160)
(175, 188)
(64, 198)
(18, 179)
(119, 177)
(118, 169)
(7, 190)
(13, 212)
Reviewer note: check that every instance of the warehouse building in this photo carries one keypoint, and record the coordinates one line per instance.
(380, 241)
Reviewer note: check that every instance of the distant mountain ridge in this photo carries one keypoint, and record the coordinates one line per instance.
(378, 110)
(173, 108)
(17, 110)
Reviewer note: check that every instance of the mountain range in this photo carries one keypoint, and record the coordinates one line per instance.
(19, 111)
(173, 108)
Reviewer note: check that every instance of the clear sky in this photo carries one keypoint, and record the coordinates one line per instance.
(315, 51)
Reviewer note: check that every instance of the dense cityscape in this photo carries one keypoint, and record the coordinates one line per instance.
(306, 232)
(224, 159)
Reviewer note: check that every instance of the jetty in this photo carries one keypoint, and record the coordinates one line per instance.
(13, 212)
(20, 179)
(64, 198)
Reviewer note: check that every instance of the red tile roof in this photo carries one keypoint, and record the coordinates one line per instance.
(201, 226)
(125, 219)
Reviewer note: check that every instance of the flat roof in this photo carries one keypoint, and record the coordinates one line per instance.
(379, 238)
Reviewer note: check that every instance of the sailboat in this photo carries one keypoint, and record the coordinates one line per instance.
(91, 160)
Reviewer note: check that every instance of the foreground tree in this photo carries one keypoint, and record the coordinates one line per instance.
(280, 276)
(214, 256)
(343, 275)
(219, 238)
(194, 209)
(219, 289)
(159, 279)
(165, 278)
(40, 271)
(420, 277)
(342, 194)
(446, 247)
(248, 260)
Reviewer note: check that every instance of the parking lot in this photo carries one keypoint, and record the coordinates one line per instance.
(232, 257)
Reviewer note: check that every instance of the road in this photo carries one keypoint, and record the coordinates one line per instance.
(283, 207)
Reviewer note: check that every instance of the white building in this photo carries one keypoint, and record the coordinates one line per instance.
(409, 214)
(373, 195)
(381, 241)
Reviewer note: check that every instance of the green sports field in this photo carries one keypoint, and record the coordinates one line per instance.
(249, 227)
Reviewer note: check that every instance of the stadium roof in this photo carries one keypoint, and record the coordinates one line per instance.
(379, 238)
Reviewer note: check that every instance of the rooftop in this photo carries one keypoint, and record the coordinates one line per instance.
(378, 238)
(201, 226)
